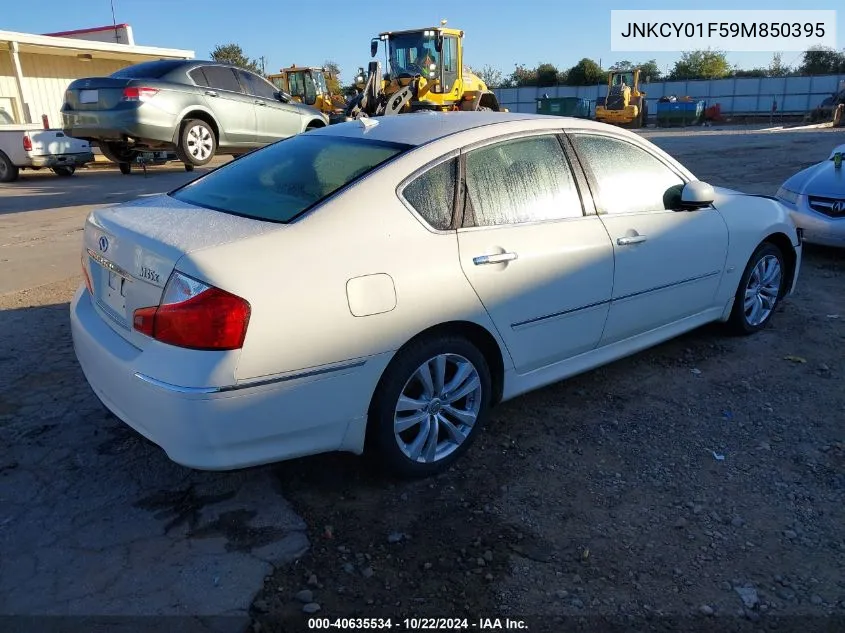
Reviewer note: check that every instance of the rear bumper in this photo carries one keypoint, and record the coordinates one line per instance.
(63, 160)
(212, 429)
(144, 125)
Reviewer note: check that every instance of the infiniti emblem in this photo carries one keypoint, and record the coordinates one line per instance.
(838, 206)
(104, 243)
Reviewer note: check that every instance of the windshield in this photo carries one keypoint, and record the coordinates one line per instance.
(283, 180)
(412, 54)
(296, 81)
(626, 78)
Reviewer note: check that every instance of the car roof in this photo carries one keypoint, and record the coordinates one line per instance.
(419, 128)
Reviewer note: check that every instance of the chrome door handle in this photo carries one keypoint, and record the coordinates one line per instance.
(631, 239)
(211, 93)
(498, 258)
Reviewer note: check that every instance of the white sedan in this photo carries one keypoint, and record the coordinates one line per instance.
(380, 285)
(816, 198)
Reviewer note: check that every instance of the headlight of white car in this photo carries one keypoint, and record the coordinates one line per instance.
(788, 196)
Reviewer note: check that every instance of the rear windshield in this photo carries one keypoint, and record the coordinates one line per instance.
(147, 70)
(283, 180)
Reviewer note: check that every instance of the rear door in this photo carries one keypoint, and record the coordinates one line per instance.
(274, 120)
(668, 261)
(541, 267)
(233, 109)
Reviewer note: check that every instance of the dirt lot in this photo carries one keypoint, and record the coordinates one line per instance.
(592, 501)
(599, 500)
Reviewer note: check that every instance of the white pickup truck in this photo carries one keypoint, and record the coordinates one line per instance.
(32, 147)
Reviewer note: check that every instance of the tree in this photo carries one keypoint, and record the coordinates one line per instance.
(648, 70)
(777, 68)
(749, 72)
(234, 54)
(520, 77)
(821, 60)
(332, 76)
(489, 75)
(585, 73)
(701, 64)
(547, 75)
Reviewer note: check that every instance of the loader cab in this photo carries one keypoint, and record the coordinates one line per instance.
(432, 54)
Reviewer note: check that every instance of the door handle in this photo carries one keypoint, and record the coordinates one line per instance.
(498, 258)
(259, 103)
(211, 93)
(631, 239)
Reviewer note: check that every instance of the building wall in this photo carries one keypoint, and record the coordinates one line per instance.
(752, 95)
(46, 78)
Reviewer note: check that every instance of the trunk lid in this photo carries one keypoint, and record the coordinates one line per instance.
(130, 251)
(96, 93)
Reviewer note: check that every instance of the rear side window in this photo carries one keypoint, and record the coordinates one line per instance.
(148, 70)
(222, 78)
(432, 194)
(198, 77)
(523, 180)
(285, 179)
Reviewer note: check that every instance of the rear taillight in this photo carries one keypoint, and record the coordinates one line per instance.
(86, 274)
(195, 315)
(134, 93)
(27, 143)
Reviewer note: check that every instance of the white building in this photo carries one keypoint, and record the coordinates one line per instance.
(35, 70)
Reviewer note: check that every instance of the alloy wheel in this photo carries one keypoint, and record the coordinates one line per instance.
(763, 290)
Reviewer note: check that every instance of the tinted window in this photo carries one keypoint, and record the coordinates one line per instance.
(282, 180)
(524, 180)
(432, 194)
(148, 70)
(198, 76)
(222, 78)
(254, 85)
(630, 179)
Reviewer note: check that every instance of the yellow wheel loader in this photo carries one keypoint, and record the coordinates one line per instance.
(309, 85)
(625, 104)
(425, 71)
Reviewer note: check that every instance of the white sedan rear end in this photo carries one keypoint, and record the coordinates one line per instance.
(382, 286)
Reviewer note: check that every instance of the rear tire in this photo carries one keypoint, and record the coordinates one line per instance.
(197, 143)
(760, 290)
(8, 171)
(117, 152)
(450, 423)
(64, 171)
(125, 168)
(189, 167)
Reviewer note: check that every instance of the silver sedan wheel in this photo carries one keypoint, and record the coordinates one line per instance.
(200, 142)
(763, 289)
(437, 408)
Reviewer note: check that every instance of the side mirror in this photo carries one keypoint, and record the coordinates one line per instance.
(697, 195)
(282, 96)
(373, 47)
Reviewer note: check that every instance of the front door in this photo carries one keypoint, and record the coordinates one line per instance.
(543, 270)
(233, 110)
(668, 261)
(274, 120)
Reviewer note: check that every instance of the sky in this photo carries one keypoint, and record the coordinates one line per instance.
(310, 32)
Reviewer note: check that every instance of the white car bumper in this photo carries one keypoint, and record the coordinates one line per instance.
(222, 429)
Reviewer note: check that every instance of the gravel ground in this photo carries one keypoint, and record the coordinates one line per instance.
(697, 483)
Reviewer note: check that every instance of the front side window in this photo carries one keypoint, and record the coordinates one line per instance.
(629, 179)
(522, 180)
(279, 182)
(432, 194)
(255, 85)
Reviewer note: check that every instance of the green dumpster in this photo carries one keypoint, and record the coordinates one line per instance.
(564, 106)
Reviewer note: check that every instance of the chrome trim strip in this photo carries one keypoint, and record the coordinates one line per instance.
(599, 303)
(674, 283)
(244, 385)
(102, 261)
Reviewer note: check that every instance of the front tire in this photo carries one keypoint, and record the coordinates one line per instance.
(760, 290)
(197, 143)
(64, 171)
(8, 171)
(429, 406)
